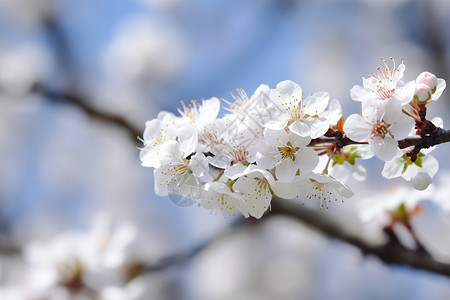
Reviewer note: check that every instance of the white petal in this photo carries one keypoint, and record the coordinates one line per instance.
(286, 170)
(357, 128)
(358, 93)
(385, 148)
(334, 112)
(306, 159)
(277, 138)
(279, 123)
(290, 88)
(441, 84)
(152, 129)
(402, 127)
(298, 141)
(235, 171)
(317, 126)
(300, 128)
(316, 103)
(267, 160)
(392, 111)
(150, 157)
(393, 168)
(430, 165)
(406, 93)
(209, 110)
(287, 190)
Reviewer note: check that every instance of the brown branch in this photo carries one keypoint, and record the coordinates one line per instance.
(439, 136)
(81, 103)
(391, 253)
(183, 257)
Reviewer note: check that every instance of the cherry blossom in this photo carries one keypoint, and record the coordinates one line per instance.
(381, 128)
(301, 116)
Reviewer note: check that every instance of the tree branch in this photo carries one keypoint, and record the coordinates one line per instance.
(390, 253)
(440, 136)
(181, 258)
(95, 113)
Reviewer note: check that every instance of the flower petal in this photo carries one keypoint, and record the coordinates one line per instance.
(286, 170)
(385, 148)
(306, 159)
(316, 103)
(357, 128)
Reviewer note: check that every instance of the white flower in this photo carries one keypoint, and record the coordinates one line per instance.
(287, 152)
(166, 127)
(253, 111)
(255, 184)
(201, 115)
(234, 144)
(301, 116)
(322, 188)
(384, 85)
(177, 173)
(218, 196)
(381, 128)
(401, 165)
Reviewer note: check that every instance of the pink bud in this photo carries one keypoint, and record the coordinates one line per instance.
(422, 93)
(428, 79)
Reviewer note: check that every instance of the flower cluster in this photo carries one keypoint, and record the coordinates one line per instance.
(393, 110)
(281, 142)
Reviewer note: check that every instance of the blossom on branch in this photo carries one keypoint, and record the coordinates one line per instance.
(278, 143)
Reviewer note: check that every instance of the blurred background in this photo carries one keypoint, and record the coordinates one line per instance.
(65, 65)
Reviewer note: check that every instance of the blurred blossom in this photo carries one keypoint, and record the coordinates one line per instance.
(80, 261)
(145, 52)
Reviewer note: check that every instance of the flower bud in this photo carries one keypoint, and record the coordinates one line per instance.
(422, 93)
(428, 79)
(421, 181)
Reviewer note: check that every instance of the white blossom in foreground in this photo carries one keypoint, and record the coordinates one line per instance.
(165, 128)
(301, 116)
(276, 142)
(287, 152)
(323, 189)
(218, 197)
(383, 86)
(177, 172)
(255, 185)
(381, 128)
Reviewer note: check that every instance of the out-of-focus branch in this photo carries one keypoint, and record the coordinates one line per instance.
(95, 113)
(8, 247)
(391, 253)
(183, 257)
